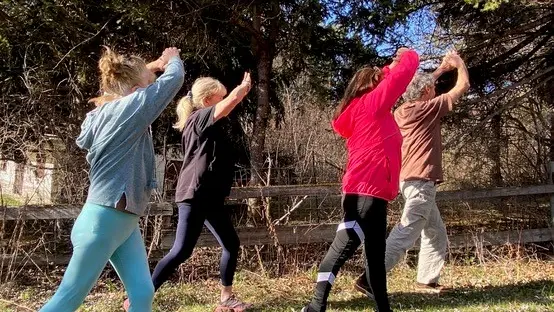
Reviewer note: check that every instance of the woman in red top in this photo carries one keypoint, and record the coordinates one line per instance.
(374, 142)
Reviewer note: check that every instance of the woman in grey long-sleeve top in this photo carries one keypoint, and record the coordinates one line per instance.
(117, 136)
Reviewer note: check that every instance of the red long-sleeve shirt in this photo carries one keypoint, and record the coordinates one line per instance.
(372, 136)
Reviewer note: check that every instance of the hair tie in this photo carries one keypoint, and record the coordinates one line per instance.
(189, 94)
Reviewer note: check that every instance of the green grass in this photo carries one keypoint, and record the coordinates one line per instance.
(8, 200)
(503, 286)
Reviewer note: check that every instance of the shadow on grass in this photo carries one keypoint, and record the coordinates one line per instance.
(536, 292)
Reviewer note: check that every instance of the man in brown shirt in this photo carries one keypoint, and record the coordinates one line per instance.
(419, 122)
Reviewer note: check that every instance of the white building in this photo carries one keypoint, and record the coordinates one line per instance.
(34, 181)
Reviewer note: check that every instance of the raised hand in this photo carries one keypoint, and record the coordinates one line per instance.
(224, 107)
(397, 56)
(446, 64)
(399, 53)
(167, 55)
(462, 83)
(245, 86)
(454, 59)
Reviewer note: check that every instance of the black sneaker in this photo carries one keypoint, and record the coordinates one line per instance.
(362, 286)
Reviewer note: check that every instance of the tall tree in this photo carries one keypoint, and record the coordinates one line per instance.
(49, 52)
(508, 49)
(285, 38)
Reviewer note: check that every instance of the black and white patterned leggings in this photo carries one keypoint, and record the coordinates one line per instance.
(365, 220)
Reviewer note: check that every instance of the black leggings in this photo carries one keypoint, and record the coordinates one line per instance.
(365, 220)
(192, 215)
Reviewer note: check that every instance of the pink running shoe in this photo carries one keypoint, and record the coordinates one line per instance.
(126, 305)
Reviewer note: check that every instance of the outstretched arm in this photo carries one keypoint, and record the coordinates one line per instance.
(401, 72)
(223, 108)
(155, 98)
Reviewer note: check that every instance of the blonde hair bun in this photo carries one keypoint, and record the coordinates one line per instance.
(110, 63)
(118, 74)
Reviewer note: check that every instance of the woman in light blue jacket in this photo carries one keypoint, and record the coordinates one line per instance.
(118, 139)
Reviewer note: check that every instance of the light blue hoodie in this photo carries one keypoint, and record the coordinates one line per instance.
(118, 139)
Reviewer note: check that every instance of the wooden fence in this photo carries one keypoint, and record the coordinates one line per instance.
(321, 233)
(313, 233)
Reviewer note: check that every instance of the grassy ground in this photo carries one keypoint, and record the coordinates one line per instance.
(500, 286)
(8, 200)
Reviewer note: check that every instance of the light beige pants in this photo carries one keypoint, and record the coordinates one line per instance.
(420, 217)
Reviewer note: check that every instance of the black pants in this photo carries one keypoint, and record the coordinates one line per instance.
(193, 214)
(365, 220)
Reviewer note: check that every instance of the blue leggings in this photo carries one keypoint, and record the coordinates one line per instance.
(100, 234)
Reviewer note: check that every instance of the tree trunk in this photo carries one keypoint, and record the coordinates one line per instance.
(257, 145)
(263, 109)
(263, 44)
(495, 150)
(548, 95)
(550, 170)
(551, 152)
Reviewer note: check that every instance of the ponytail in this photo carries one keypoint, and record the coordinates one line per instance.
(184, 109)
(202, 88)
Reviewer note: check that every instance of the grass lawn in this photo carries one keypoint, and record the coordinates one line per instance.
(8, 200)
(514, 285)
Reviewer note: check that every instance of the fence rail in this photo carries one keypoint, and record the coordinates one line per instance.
(56, 212)
(334, 189)
(325, 233)
(304, 233)
(51, 212)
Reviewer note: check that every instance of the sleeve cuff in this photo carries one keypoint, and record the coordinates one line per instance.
(174, 59)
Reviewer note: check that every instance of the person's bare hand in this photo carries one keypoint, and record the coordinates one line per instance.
(242, 90)
(167, 55)
(399, 53)
(396, 58)
(246, 84)
(454, 59)
(446, 63)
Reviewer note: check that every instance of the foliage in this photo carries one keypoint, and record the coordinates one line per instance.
(49, 51)
(509, 52)
(487, 5)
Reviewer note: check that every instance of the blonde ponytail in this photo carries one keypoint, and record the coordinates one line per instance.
(202, 89)
(184, 109)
